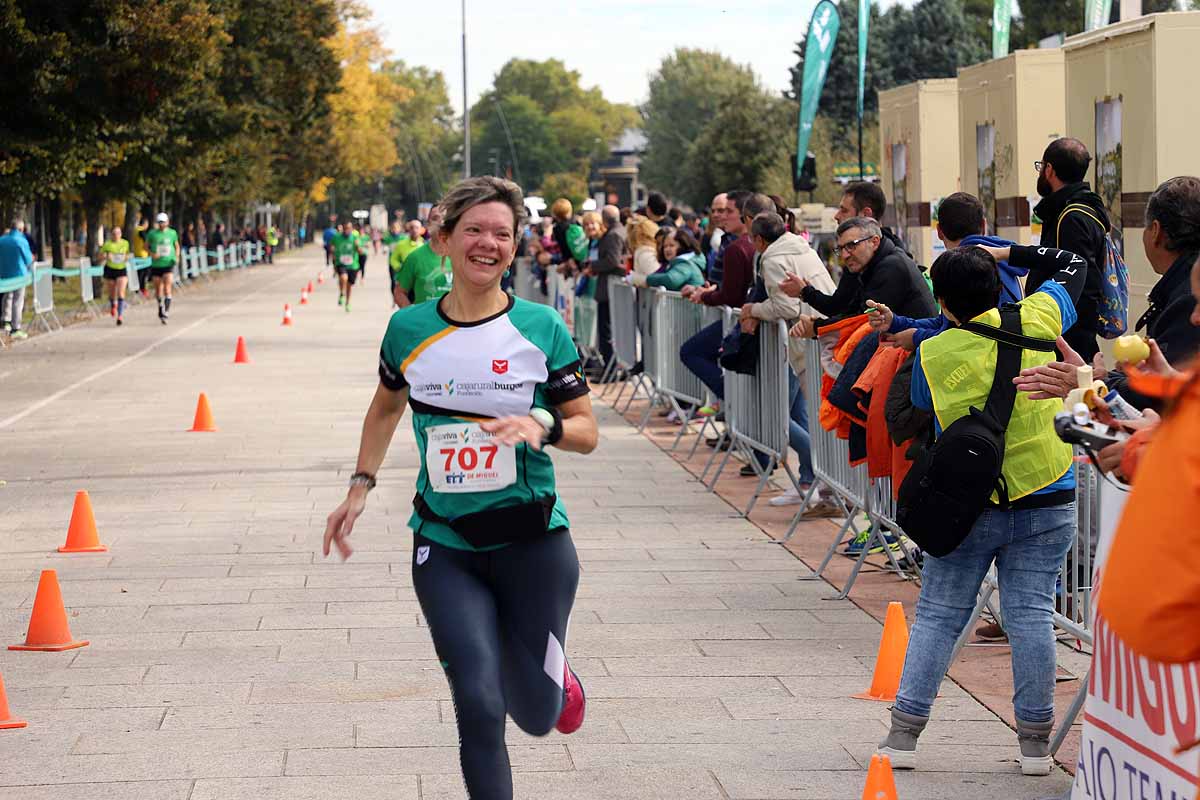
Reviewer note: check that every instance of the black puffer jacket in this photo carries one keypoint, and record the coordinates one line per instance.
(904, 420)
(890, 278)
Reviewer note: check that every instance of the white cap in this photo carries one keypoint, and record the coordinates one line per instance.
(162, 217)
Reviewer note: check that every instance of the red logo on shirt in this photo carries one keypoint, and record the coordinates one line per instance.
(499, 365)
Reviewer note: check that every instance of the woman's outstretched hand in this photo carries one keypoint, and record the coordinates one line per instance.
(340, 523)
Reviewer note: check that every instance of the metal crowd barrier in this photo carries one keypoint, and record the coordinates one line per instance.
(622, 311)
(672, 320)
(847, 486)
(527, 285)
(43, 297)
(757, 409)
(587, 321)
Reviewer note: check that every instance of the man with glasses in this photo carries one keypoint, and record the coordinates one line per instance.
(1073, 219)
(872, 269)
(866, 199)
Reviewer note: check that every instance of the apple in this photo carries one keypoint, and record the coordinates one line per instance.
(1130, 350)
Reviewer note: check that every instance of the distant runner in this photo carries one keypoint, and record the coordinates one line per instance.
(114, 255)
(163, 243)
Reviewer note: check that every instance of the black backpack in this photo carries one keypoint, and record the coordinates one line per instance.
(951, 483)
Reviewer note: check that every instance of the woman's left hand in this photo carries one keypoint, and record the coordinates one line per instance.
(511, 431)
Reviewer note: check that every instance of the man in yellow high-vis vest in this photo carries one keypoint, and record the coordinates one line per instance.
(1028, 537)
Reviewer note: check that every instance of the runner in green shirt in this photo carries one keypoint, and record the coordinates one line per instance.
(425, 275)
(345, 260)
(401, 250)
(363, 240)
(114, 255)
(163, 243)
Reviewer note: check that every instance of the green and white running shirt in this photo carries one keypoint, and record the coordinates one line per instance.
(459, 374)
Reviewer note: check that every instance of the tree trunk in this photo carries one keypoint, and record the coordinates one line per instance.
(132, 210)
(91, 207)
(54, 223)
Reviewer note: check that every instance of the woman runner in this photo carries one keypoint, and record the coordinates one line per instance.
(114, 254)
(492, 381)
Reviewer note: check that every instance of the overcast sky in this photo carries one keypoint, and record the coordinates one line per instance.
(613, 44)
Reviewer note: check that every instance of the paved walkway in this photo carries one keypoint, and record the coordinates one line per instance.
(228, 660)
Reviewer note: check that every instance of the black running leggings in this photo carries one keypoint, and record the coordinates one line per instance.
(499, 624)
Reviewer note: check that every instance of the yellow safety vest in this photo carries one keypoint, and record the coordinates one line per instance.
(959, 366)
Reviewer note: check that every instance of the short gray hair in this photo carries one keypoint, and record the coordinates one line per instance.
(769, 226)
(867, 225)
(472, 192)
(610, 216)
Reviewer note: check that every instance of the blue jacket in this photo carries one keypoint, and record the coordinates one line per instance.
(15, 255)
(1010, 292)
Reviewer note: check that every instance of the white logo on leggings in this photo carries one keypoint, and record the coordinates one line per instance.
(422, 554)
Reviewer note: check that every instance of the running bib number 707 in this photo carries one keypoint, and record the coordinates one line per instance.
(464, 458)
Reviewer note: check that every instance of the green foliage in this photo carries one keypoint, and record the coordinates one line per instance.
(570, 185)
(554, 125)
(688, 91)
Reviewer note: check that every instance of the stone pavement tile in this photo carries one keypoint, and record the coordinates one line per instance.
(621, 616)
(122, 790)
(1003, 756)
(415, 760)
(675, 630)
(862, 646)
(212, 658)
(772, 733)
(375, 651)
(415, 713)
(651, 783)
(143, 598)
(83, 620)
(215, 740)
(324, 595)
(803, 627)
(156, 696)
(714, 666)
(369, 608)
(140, 767)
(243, 671)
(225, 582)
(33, 675)
(746, 784)
(369, 636)
(21, 698)
(392, 733)
(582, 646)
(665, 710)
(423, 685)
(743, 576)
(658, 687)
(635, 599)
(343, 787)
(318, 620)
(201, 640)
(815, 751)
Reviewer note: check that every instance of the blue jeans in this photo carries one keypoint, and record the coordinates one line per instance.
(700, 354)
(798, 435)
(1028, 547)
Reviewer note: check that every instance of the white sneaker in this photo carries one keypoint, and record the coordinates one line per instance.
(792, 497)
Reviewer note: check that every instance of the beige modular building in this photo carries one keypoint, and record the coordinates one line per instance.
(918, 135)
(1009, 109)
(1131, 89)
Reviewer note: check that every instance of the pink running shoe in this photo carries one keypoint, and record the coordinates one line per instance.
(575, 706)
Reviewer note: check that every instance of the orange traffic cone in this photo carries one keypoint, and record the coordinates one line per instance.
(881, 784)
(889, 664)
(303, 297)
(309, 289)
(6, 717)
(287, 314)
(240, 356)
(48, 628)
(81, 533)
(203, 422)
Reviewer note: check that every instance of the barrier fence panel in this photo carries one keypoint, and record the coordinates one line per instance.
(87, 293)
(527, 285)
(587, 315)
(675, 320)
(623, 304)
(43, 297)
(131, 271)
(757, 408)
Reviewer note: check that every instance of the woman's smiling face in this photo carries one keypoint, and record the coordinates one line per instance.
(482, 245)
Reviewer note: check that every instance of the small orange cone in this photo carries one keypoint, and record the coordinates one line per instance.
(203, 422)
(303, 297)
(6, 718)
(48, 628)
(240, 356)
(309, 289)
(81, 533)
(881, 783)
(287, 314)
(889, 664)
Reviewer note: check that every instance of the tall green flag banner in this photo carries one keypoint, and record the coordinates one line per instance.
(864, 22)
(818, 49)
(1096, 14)
(1001, 24)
